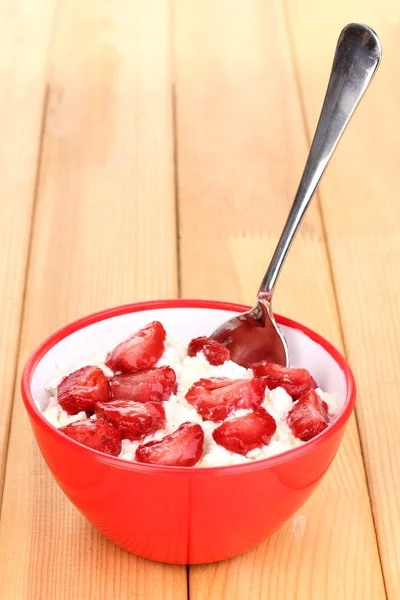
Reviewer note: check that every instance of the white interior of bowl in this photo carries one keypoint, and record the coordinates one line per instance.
(183, 323)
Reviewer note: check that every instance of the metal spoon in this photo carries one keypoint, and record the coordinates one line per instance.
(254, 335)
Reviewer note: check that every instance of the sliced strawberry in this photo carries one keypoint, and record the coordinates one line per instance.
(82, 389)
(325, 406)
(215, 353)
(99, 435)
(133, 419)
(182, 448)
(295, 381)
(246, 433)
(150, 385)
(308, 417)
(140, 351)
(217, 397)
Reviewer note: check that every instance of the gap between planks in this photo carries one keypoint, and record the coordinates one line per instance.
(319, 204)
(25, 53)
(23, 300)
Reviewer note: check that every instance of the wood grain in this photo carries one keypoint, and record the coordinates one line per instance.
(362, 213)
(104, 234)
(241, 146)
(24, 42)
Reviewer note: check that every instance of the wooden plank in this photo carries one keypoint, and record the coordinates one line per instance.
(24, 40)
(104, 234)
(241, 147)
(361, 209)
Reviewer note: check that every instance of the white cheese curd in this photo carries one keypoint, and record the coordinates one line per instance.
(177, 410)
(58, 417)
(332, 402)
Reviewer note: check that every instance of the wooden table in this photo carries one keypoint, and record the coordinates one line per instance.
(151, 149)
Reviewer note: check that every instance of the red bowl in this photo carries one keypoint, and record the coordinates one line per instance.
(176, 514)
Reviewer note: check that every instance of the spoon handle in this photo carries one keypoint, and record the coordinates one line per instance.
(357, 57)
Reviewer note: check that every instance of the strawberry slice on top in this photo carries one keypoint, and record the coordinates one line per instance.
(295, 382)
(80, 390)
(150, 385)
(216, 398)
(245, 433)
(215, 353)
(307, 418)
(182, 448)
(99, 435)
(134, 420)
(140, 351)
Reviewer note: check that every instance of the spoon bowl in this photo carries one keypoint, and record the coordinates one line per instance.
(254, 336)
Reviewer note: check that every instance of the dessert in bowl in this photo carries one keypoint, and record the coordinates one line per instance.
(226, 499)
(155, 400)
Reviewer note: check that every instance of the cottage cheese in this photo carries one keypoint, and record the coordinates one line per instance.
(189, 370)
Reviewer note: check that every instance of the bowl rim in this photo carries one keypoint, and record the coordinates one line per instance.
(272, 461)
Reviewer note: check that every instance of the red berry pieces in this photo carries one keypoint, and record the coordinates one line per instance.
(296, 382)
(140, 351)
(243, 434)
(150, 385)
(325, 406)
(99, 435)
(182, 448)
(217, 397)
(133, 419)
(215, 353)
(308, 417)
(82, 389)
